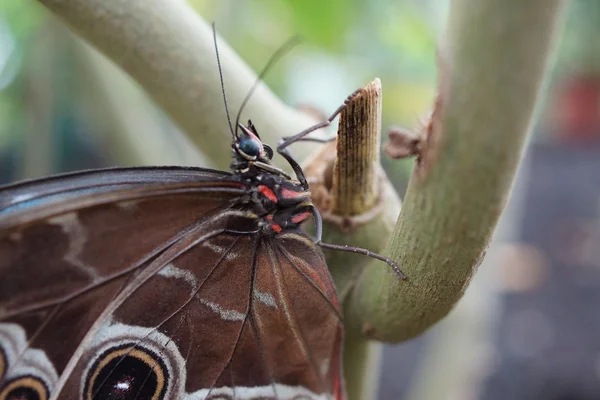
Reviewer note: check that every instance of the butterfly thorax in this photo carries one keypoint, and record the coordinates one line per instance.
(274, 200)
(278, 203)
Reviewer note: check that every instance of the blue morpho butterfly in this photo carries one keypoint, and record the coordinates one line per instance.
(169, 283)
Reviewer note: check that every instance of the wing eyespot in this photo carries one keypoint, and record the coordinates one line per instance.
(127, 372)
(26, 387)
(26, 373)
(3, 363)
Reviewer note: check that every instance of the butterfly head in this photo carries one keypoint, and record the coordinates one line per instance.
(247, 147)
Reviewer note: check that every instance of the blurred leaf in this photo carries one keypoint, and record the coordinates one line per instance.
(579, 51)
(407, 103)
(325, 22)
(22, 17)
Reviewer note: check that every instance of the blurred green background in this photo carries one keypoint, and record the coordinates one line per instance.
(49, 97)
(61, 108)
(54, 117)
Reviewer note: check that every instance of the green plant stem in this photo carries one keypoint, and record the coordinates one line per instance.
(492, 64)
(362, 364)
(169, 50)
(135, 134)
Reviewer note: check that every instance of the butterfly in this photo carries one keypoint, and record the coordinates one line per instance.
(169, 283)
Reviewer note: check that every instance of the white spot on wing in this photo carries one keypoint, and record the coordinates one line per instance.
(171, 271)
(15, 236)
(265, 298)
(21, 197)
(128, 205)
(227, 315)
(220, 249)
(283, 392)
(216, 248)
(324, 367)
(77, 238)
(22, 359)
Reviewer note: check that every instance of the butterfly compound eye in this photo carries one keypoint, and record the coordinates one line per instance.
(250, 147)
(127, 373)
(24, 388)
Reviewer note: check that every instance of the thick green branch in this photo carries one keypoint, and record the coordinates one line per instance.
(168, 49)
(134, 133)
(492, 65)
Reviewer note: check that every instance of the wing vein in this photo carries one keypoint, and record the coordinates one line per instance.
(259, 339)
(179, 309)
(293, 319)
(246, 316)
(310, 281)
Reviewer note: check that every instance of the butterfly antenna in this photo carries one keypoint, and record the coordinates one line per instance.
(222, 83)
(281, 51)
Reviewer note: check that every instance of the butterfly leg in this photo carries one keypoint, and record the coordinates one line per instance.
(318, 224)
(365, 252)
(285, 153)
(351, 249)
(285, 142)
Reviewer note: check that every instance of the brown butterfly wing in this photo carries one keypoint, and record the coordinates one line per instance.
(296, 308)
(290, 341)
(100, 226)
(157, 283)
(227, 317)
(177, 321)
(65, 253)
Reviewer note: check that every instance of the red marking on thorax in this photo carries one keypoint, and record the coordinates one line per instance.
(276, 227)
(268, 193)
(291, 194)
(296, 219)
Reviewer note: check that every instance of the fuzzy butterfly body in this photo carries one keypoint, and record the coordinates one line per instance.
(165, 283)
